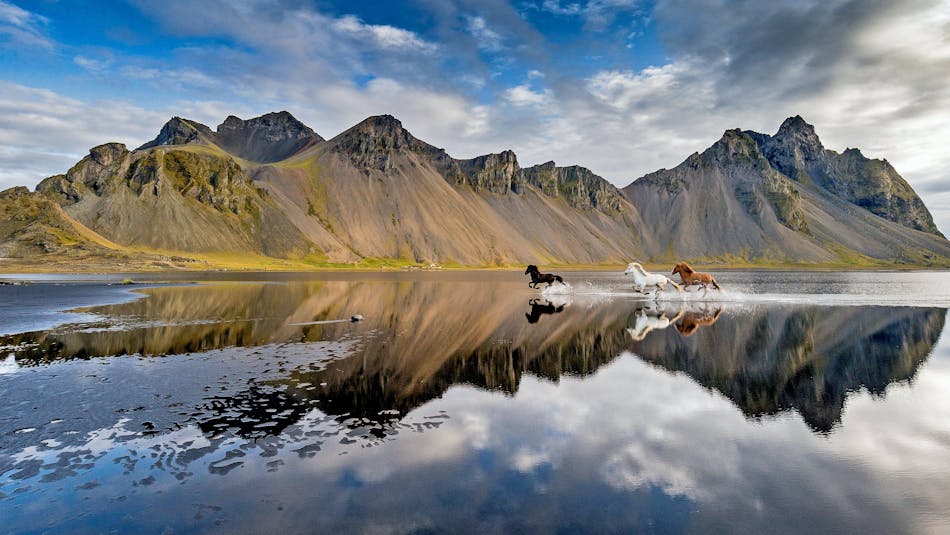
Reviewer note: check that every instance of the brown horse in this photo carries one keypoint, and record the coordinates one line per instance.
(690, 276)
(537, 277)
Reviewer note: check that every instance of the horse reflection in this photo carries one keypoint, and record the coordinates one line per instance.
(646, 323)
(687, 319)
(538, 310)
(693, 320)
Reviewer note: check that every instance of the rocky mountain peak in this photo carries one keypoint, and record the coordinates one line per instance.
(795, 131)
(735, 146)
(179, 131)
(274, 127)
(231, 122)
(374, 141)
(379, 126)
(796, 152)
(269, 138)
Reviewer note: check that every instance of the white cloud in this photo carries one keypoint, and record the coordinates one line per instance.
(597, 14)
(22, 27)
(383, 36)
(91, 64)
(174, 77)
(488, 39)
(523, 95)
(554, 6)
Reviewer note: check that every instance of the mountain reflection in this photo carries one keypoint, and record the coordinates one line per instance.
(804, 359)
(421, 338)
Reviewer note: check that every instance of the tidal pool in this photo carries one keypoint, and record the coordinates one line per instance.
(466, 402)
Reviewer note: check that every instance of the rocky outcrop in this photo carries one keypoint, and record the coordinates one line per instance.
(497, 173)
(797, 152)
(877, 187)
(580, 187)
(92, 175)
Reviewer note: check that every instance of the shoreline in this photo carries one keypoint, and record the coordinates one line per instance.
(18, 272)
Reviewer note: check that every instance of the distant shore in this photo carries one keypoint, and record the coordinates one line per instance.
(88, 266)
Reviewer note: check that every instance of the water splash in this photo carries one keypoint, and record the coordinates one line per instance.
(561, 288)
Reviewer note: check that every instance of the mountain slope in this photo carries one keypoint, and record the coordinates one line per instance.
(735, 201)
(31, 224)
(387, 194)
(272, 188)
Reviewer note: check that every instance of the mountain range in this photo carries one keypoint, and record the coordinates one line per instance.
(271, 191)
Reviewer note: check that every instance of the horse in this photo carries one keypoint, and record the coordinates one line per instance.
(645, 324)
(538, 310)
(689, 276)
(694, 320)
(642, 279)
(537, 277)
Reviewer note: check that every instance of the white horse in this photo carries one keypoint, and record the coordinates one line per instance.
(646, 324)
(643, 279)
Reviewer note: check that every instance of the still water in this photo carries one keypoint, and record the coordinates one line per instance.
(466, 402)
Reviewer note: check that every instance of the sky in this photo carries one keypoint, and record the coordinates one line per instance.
(623, 87)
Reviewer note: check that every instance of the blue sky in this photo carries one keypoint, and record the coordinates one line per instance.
(99, 52)
(620, 86)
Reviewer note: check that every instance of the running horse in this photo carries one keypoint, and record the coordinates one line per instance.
(643, 279)
(690, 276)
(537, 277)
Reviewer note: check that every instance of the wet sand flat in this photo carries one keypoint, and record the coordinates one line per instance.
(467, 402)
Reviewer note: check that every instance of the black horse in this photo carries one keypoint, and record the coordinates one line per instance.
(538, 310)
(537, 277)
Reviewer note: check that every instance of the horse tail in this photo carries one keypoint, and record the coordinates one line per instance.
(559, 279)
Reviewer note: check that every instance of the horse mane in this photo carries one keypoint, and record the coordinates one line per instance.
(685, 268)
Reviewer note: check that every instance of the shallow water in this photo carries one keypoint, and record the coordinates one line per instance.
(468, 402)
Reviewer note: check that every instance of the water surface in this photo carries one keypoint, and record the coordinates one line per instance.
(467, 402)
